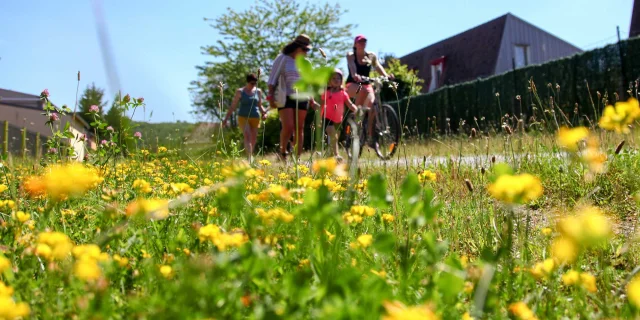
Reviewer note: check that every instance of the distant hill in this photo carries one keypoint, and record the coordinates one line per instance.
(168, 134)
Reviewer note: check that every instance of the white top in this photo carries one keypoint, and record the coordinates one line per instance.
(286, 64)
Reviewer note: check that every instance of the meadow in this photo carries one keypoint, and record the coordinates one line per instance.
(505, 226)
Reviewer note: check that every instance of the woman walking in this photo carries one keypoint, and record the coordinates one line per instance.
(360, 62)
(250, 99)
(293, 112)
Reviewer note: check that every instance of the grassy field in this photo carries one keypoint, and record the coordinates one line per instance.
(546, 231)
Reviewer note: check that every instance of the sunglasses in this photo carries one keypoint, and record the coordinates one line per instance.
(306, 49)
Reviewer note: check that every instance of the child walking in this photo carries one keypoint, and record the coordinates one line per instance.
(332, 109)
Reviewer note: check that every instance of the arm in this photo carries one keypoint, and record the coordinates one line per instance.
(234, 104)
(351, 63)
(263, 110)
(349, 104)
(377, 65)
(276, 69)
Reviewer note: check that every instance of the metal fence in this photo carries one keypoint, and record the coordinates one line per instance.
(20, 141)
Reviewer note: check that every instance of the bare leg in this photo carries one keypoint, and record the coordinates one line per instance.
(247, 140)
(333, 139)
(288, 126)
(299, 131)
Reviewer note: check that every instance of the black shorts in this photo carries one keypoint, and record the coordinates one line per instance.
(293, 104)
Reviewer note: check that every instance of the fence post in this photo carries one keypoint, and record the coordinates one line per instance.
(23, 143)
(38, 146)
(5, 139)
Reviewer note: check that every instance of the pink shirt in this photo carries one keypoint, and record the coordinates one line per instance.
(334, 104)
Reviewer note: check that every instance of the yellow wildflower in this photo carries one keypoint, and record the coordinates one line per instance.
(584, 279)
(265, 163)
(570, 138)
(156, 209)
(62, 181)
(53, 245)
(521, 311)
(122, 261)
(398, 311)
(330, 236)
(382, 274)
(633, 291)
(3, 188)
(5, 264)
(619, 118)
(546, 231)
(365, 240)
(388, 217)
(142, 186)
(9, 309)
(87, 270)
(588, 227)
(180, 188)
(426, 175)
(22, 217)
(564, 250)
(166, 271)
(543, 269)
(329, 165)
(303, 263)
(162, 149)
(522, 188)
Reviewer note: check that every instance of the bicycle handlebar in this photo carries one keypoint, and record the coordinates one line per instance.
(377, 80)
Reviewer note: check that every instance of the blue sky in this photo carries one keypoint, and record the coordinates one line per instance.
(156, 44)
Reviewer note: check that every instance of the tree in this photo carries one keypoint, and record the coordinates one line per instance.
(92, 95)
(253, 38)
(409, 84)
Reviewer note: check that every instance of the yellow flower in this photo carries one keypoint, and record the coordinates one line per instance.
(63, 181)
(426, 175)
(588, 227)
(588, 281)
(330, 236)
(5, 290)
(569, 138)
(365, 240)
(398, 311)
(522, 188)
(87, 270)
(166, 271)
(543, 269)
(521, 311)
(467, 316)
(5, 264)
(9, 309)
(303, 263)
(53, 245)
(265, 163)
(329, 165)
(209, 231)
(88, 251)
(564, 250)
(387, 217)
(382, 274)
(362, 210)
(122, 261)
(571, 277)
(142, 186)
(633, 291)
(22, 217)
(156, 209)
(162, 149)
(619, 118)
(3, 188)
(180, 188)
(546, 231)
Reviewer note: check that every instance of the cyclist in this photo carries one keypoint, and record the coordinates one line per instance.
(360, 62)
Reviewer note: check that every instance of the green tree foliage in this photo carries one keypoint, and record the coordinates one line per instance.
(409, 84)
(252, 39)
(92, 95)
(167, 134)
(117, 119)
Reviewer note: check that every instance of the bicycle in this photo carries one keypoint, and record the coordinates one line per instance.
(386, 126)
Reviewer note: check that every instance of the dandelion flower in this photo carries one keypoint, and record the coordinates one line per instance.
(365, 240)
(87, 270)
(522, 311)
(633, 291)
(522, 188)
(564, 250)
(166, 271)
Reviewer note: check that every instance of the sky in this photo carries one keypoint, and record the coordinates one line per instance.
(156, 45)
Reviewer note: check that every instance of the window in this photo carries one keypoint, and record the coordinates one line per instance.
(437, 68)
(521, 55)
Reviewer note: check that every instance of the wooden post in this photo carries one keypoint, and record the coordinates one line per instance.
(38, 146)
(23, 145)
(5, 140)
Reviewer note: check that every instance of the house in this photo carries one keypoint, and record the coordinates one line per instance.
(634, 28)
(24, 110)
(494, 47)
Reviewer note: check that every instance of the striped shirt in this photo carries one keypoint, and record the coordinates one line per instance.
(286, 64)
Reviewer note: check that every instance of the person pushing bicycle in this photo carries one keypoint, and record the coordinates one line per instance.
(360, 62)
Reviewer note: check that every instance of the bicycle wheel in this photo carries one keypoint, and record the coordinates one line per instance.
(387, 132)
(348, 135)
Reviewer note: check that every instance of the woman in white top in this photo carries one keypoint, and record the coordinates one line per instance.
(293, 113)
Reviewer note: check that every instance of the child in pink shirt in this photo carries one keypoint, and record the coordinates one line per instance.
(333, 101)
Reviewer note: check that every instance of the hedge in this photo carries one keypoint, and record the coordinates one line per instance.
(572, 82)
